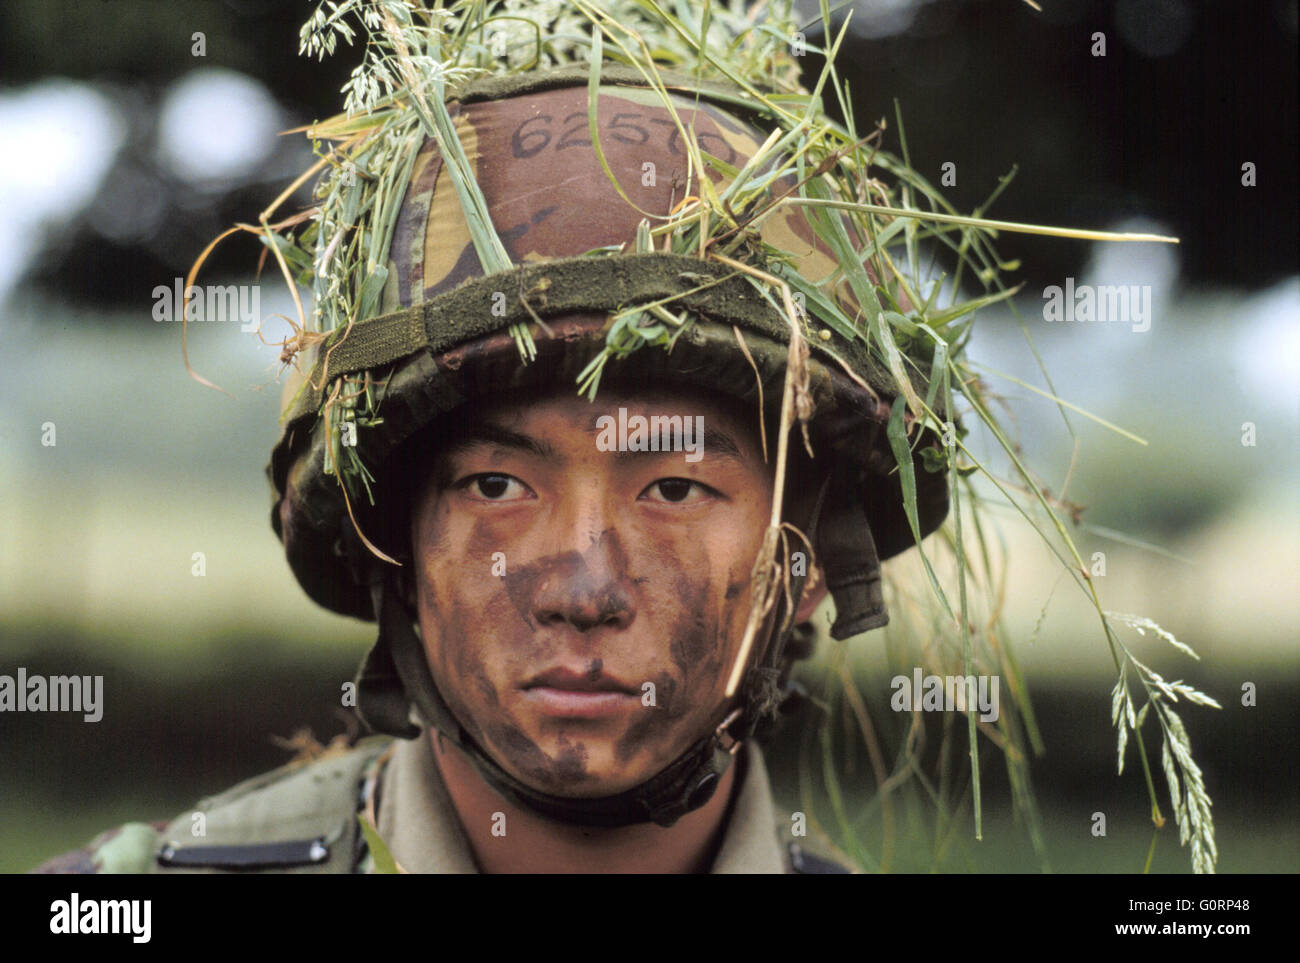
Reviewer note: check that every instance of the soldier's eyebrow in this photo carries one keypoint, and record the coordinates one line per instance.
(720, 444)
(490, 433)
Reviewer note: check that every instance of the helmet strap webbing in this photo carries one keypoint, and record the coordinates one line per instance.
(850, 561)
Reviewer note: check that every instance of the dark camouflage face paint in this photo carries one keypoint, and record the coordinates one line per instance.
(607, 601)
(641, 596)
(607, 580)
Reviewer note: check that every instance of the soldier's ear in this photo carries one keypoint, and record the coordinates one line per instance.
(814, 591)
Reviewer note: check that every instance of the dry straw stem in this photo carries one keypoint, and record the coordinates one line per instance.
(765, 572)
(986, 224)
(267, 233)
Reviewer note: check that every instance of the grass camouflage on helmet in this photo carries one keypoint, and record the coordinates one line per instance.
(777, 256)
(436, 298)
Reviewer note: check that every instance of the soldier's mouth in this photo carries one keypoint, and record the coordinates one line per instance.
(592, 679)
(573, 694)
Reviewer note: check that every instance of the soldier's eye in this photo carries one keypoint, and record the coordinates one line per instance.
(495, 487)
(677, 491)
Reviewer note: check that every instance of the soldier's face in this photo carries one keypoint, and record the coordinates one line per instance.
(581, 607)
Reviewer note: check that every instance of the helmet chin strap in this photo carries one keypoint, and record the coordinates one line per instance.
(395, 677)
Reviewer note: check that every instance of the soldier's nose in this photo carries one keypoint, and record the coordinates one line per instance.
(586, 589)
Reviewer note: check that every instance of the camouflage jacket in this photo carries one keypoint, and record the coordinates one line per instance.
(303, 818)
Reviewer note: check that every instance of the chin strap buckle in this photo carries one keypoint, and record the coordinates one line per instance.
(722, 735)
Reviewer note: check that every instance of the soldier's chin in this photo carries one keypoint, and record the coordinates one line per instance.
(585, 771)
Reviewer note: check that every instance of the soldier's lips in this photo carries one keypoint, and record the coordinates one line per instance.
(571, 704)
(571, 694)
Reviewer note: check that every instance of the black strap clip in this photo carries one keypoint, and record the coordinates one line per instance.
(277, 855)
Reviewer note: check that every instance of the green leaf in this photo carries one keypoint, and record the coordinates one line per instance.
(941, 318)
(352, 202)
(906, 327)
(593, 100)
(295, 255)
(384, 861)
(907, 476)
(894, 358)
(933, 460)
(816, 303)
(372, 289)
(939, 364)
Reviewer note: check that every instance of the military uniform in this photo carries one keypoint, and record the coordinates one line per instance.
(303, 818)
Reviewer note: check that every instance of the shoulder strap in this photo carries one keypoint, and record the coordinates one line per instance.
(299, 818)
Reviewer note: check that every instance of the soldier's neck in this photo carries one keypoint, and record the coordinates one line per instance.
(527, 843)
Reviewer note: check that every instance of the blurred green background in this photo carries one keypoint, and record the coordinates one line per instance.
(124, 153)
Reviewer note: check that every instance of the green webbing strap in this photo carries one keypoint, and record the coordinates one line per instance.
(486, 305)
(503, 86)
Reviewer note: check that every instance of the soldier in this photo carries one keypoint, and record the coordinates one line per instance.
(586, 610)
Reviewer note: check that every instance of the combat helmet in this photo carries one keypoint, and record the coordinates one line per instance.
(645, 239)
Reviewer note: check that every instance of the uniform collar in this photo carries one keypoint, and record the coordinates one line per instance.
(418, 821)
